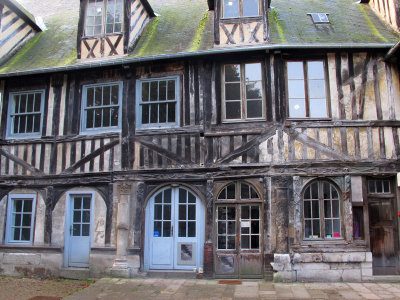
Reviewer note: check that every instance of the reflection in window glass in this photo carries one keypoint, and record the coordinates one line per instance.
(103, 17)
(240, 8)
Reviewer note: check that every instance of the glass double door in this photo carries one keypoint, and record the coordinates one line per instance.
(238, 241)
(175, 228)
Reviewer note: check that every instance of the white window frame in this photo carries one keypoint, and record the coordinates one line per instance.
(11, 110)
(243, 100)
(104, 19)
(139, 103)
(84, 109)
(307, 97)
(10, 206)
(240, 10)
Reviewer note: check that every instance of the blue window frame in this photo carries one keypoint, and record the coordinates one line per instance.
(101, 107)
(157, 103)
(20, 218)
(25, 114)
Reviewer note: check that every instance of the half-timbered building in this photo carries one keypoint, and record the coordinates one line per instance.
(222, 138)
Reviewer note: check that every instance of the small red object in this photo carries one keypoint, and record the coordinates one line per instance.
(336, 234)
(399, 213)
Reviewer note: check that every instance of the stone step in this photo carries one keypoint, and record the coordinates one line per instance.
(386, 278)
(268, 275)
(179, 274)
(75, 273)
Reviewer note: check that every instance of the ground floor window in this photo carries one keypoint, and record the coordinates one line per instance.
(20, 218)
(321, 211)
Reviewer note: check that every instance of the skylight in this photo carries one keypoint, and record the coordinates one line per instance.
(319, 18)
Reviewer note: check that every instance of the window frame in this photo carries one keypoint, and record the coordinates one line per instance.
(11, 111)
(139, 103)
(305, 62)
(10, 206)
(321, 211)
(83, 129)
(241, 11)
(243, 100)
(103, 20)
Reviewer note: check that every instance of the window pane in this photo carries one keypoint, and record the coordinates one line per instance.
(192, 212)
(182, 196)
(250, 8)
(314, 190)
(171, 112)
(97, 117)
(221, 227)
(255, 242)
(163, 112)
(245, 242)
(145, 91)
(115, 95)
(106, 117)
(29, 123)
(296, 89)
(233, 110)
(191, 198)
(335, 208)
(307, 229)
(77, 216)
(255, 212)
(38, 100)
(22, 105)
(182, 212)
(231, 192)
(154, 91)
(297, 108)
(231, 8)
(386, 186)
(166, 229)
(336, 228)
(245, 212)
(85, 229)
(17, 232)
(231, 242)
(232, 91)
(25, 234)
(167, 196)
(253, 90)
(89, 97)
(327, 208)
(328, 229)
(76, 230)
(182, 229)
(255, 227)
(231, 227)
(157, 212)
(163, 90)
(16, 124)
(295, 70)
(36, 121)
(145, 114)
(315, 209)
(315, 70)
(17, 220)
(22, 124)
(316, 230)
(191, 229)
(307, 209)
(222, 242)
(167, 212)
(86, 216)
(254, 109)
(171, 90)
(222, 213)
(106, 95)
(316, 88)
(98, 91)
(77, 203)
(153, 113)
(232, 73)
(318, 108)
(30, 103)
(244, 191)
(89, 118)
(157, 228)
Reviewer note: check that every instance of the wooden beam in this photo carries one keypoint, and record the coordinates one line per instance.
(90, 156)
(19, 161)
(249, 145)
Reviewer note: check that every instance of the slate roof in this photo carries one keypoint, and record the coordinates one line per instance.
(185, 28)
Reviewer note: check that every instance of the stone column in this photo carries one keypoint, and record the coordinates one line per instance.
(120, 267)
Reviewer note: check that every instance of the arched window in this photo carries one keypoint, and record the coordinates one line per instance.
(238, 191)
(321, 211)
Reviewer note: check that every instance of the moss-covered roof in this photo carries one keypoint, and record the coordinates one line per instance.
(185, 27)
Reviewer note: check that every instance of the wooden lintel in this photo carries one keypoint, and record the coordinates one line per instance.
(90, 156)
(21, 162)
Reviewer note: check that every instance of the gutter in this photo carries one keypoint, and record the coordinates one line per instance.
(215, 51)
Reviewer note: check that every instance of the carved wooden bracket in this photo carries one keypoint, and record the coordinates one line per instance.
(125, 188)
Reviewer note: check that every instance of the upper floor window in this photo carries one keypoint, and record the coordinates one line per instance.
(25, 114)
(242, 92)
(307, 91)
(158, 102)
(20, 218)
(240, 8)
(103, 17)
(101, 107)
(379, 187)
(321, 211)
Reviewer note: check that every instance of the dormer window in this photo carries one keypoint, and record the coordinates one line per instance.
(103, 17)
(240, 8)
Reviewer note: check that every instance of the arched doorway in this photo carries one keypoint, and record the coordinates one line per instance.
(174, 230)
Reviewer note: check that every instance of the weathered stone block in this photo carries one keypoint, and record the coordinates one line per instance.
(21, 259)
(52, 261)
(100, 264)
(134, 264)
(351, 275)
(307, 257)
(344, 266)
(281, 262)
(368, 257)
(311, 267)
(344, 257)
(366, 269)
(285, 276)
(317, 275)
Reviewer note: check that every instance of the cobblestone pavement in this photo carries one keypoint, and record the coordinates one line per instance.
(150, 288)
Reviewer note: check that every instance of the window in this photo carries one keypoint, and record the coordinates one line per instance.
(158, 102)
(103, 17)
(235, 217)
(101, 107)
(321, 211)
(307, 89)
(20, 218)
(243, 92)
(240, 8)
(379, 186)
(25, 112)
(319, 18)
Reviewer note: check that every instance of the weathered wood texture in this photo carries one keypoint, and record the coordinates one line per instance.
(138, 20)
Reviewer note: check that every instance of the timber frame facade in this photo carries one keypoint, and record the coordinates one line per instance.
(250, 156)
